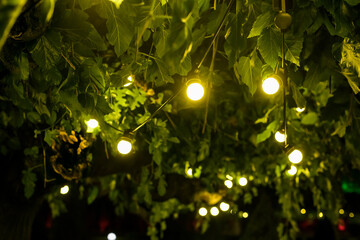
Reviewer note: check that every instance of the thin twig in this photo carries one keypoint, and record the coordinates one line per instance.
(170, 120)
(68, 61)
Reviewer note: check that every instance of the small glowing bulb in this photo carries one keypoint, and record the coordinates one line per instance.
(351, 214)
(321, 214)
(292, 171)
(92, 123)
(270, 85)
(229, 177)
(189, 172)
(64, 190)
(129, 82)
(303, 211)
(295, 156)
(224, 206)
(341, 211)
(243, 181)
(228, 184)
(245, 215)
(124, 146)
(300, 109)
(280, 137)
(195, 91)
(214, 211)
(111, 236)
(203, 211)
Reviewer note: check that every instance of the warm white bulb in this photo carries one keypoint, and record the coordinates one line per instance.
(64, 190)
(214, 211)
(303, 211)
(270, 85)
(124, 146)
(300, 109)
(280, 137)
(295, 156)
(224, 206)
(130, 80)
(202, 211)
(292, 171)
(243, 181)
(245, 215)
(111, 236)
(228, 184)
(195, 91)
(189, 172)
(92, 123)
(321, 214)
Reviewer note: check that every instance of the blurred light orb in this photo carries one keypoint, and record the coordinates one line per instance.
(195, 91)
(292, 171)
(129, 81)
(224, 206)
(92, 123)
(111, 236)
(189, 172)
(245, 215)
(64, 190)
(243, 181)
(321, 214)
(124, 146)
(341, 211)
(303, 211)
(280, 137)
(214, 211)
(295, 156)
(228, 183)
(270, 85)
(300, 109)
(203, 211)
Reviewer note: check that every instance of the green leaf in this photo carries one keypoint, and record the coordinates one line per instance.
(315, 75)
(28, 179)
(293, 48)
(92, 195)
(271, 128)
(298, 97)
(158, 73)
(85, 4)
(249, 68)
(353, 2)
(46, 53)
(91, 71)
(10, 10)
(23, 64)
(309, 119)
(269, 44)
(119, 25)
(102, 106)
(160, 39)
(50, 136)
(162, 186)
(262, 21)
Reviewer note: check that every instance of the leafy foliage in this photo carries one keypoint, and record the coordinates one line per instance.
(70, 62)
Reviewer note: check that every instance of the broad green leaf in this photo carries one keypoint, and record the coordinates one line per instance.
(315, 75)
(298, 97)
(120, 26)
(28, 179)
(10, 10)
(50, 136)
(262, 21)
(158, 73)
(271, 128)
(160, 39)
(47, 51)
(249, 68)
(293, 48)
(309, 119)
(350, 63)
(269, 44)
(91, 71)
(23, 64)
(353, 2)
(85, 4)
(102, 106)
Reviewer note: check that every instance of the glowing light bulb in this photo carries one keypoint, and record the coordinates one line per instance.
(300, 109)
(224, 206)
(195, 91)
(245, 215)
(124, 146)
(280, 137)
(92, 123)
(228, 183)
(303, 211)
(341, 211)
(189, 172)
(229, 177)
(243, 181)
(214, 211)
(270, 85)
(111, 236)
(203, 211)
(321, 214)
(295, 156)
(64, 190)
(129, 81)
(292, 171)
(351, 214)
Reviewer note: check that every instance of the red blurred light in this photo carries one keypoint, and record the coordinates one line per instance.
(341, 225)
